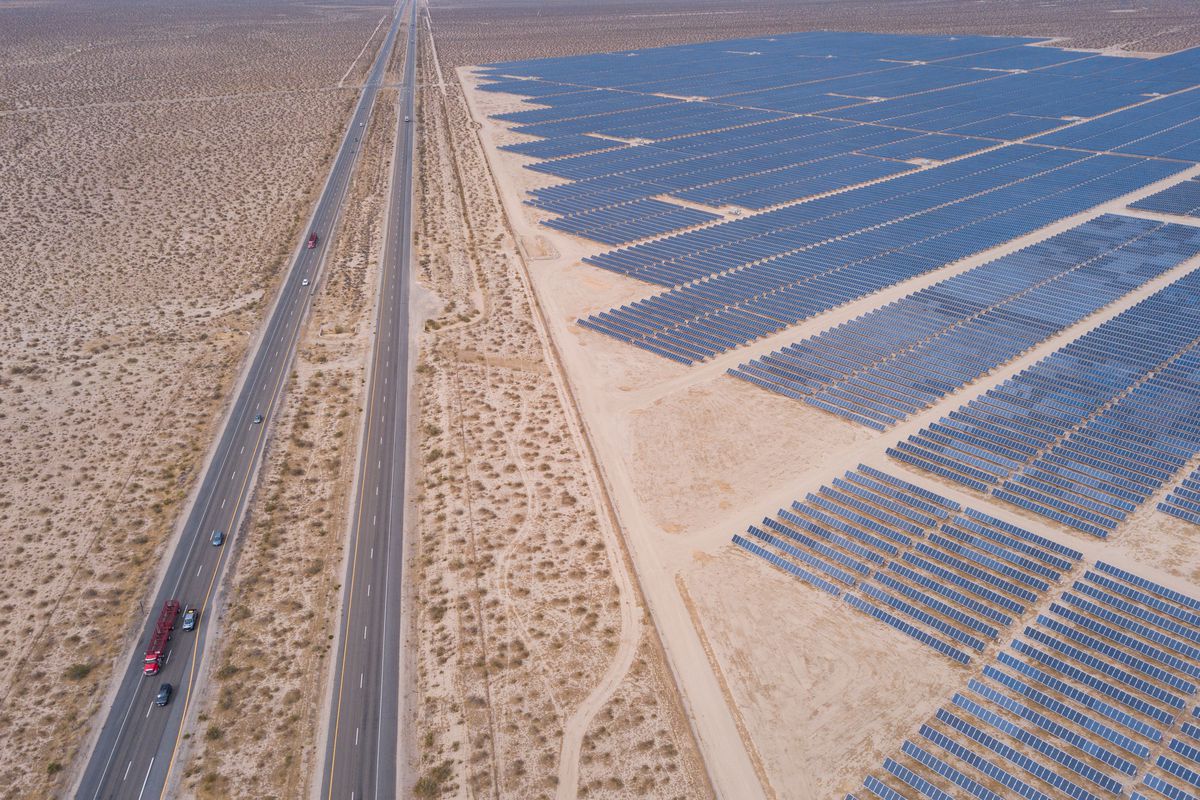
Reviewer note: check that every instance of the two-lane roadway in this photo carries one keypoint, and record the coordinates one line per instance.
(137, 748)
(361, 745)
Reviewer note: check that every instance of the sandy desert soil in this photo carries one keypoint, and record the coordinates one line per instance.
(519, 29)
(629, 750)
(155, 168)
(527, 620)
(258, 728)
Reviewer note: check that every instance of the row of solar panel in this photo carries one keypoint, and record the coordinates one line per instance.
(948, 571)
(1088, 433)
(562, 146)
(677, 118)
(742, 242)
(624, 223)
(906, 356)
(1184, 500)
(725, 67)
(1007, 104)
(1166, 127)
(968, 99)
(1005, 107)
(828, 262)
(800, 138)
(800, 161)
(1183, 198)
(1044, 712)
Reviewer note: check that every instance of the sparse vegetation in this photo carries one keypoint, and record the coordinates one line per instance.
(518, 612)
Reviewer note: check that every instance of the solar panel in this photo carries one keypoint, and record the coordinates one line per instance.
(1032, 766)
(1037, 743)
(988, 768)
(950, 773)
(966, 325)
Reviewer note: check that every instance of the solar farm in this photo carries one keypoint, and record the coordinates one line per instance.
(889, 346)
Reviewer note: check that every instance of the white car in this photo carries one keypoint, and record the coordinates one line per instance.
(304, 282)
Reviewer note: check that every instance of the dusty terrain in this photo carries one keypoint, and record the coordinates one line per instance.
(532, 642)
(791, 694)
(155, 168)
(517, 29)
(258, 726)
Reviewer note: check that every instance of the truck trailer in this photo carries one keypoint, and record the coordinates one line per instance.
(157, 648)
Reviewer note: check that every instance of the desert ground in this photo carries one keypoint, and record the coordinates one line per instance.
(531, 635)
(157, 164)
(790, 693)
(518, 29)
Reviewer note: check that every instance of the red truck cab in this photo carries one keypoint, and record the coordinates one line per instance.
(158, 640)
(312, 240)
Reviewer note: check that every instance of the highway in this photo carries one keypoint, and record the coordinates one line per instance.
(361, 744)
(137, 749)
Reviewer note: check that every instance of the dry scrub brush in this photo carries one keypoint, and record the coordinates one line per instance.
(483, 33)
(517, 610)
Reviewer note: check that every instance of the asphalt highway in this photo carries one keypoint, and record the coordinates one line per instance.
(136, 751)
(361, 745)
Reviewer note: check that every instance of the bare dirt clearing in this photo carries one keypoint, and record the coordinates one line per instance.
(148, 213)
(519, 29)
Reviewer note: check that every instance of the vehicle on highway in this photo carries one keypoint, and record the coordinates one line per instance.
(406, 119)
(258, 418)
(304, 282)
(217, 538)
(157, 648)
(312, 240)
(190, 617)
(164, 695)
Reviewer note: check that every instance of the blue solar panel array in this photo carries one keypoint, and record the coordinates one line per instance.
(628, 221)
(561, 146)
(1166, 126)
(764, 121)
(829, 251)
(946, 576)
(1087, 434)
(1183, 199)
(906, 356)
(1184, 500)
(1073, 707)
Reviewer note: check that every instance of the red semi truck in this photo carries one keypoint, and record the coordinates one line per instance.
(312, 240)
(158, 640)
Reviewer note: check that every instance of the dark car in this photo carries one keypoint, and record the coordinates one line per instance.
(190, 617)
(217, 538)
(164, 695)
